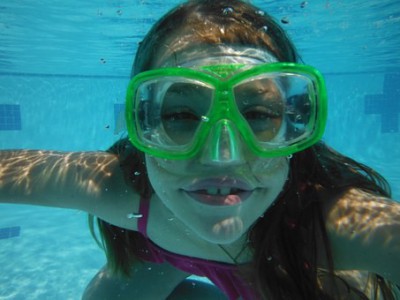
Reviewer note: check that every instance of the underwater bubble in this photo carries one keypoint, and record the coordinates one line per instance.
(298, 118)
(290, 156)
(136, 173)
(260, 12)
(303, 4)
(134, 216)
(285, 20)
(269, 258)
(227, 10)
(205, 119)
(264, 28)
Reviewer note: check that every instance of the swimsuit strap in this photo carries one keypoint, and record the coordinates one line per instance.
(144, 211)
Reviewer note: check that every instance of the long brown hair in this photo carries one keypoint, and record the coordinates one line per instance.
(294, 221)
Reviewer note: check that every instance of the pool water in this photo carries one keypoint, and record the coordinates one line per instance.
(64, 67)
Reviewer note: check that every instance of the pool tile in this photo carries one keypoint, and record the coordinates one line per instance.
(10, 117)
(387, 104)
(9, 232)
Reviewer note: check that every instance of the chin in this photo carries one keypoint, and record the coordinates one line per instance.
(225, 231)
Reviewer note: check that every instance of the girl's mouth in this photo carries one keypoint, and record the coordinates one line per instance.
(219, 193)
(232, 198)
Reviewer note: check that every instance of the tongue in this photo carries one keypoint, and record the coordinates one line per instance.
(217, 199)
(232, 199)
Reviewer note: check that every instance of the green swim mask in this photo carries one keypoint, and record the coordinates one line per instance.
(275, 109)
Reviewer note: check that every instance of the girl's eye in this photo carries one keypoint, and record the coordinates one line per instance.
(260, 113)
(179, 116)
(180, 125)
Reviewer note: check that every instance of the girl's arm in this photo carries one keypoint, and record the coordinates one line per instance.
(88, 181)
(364, 231)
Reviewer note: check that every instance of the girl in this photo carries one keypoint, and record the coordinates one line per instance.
(223, 174)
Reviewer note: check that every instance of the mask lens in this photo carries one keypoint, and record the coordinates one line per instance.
(170, 111)
(279, 108)
(261, 104)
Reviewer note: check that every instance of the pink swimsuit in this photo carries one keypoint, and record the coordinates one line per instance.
(223, 275)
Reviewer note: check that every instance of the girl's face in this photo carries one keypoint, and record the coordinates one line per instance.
(218, 199)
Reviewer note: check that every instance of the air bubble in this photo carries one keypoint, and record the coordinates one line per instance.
(303, 4)
(285, 20)
(205, 118)
(227, 10)
(269, 258)
(136, 173)
(260, 13)
(134, 216)
(298, 118)
(264, 28)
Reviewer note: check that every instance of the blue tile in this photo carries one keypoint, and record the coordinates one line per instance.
(119, 118)
(118, 109)
(9, 232)
(10, 117)
(387, 104)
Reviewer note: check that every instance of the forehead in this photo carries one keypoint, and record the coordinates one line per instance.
(205, 55)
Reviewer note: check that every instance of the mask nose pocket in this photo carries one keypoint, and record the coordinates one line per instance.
(223, 144)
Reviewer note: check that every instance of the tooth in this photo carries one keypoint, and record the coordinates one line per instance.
(212, 191)
(225, 191)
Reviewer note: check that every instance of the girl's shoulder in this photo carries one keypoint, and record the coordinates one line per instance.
(364, 232)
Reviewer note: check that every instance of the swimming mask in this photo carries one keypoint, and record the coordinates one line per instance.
(277, 109)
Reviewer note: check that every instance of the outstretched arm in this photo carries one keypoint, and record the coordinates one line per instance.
(88, 181)
(365, 234)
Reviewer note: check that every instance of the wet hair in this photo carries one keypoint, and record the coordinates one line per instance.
(294, 221)
(214, 23)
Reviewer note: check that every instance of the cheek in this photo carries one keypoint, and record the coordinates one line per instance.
(165, 166)
(156, 174)
(164, 174)
(270, 168)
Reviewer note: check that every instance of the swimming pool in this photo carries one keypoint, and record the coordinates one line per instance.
(64, 67)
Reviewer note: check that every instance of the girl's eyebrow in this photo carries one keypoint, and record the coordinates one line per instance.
(179, 87)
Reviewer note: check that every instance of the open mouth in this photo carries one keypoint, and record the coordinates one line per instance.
(219, 195)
